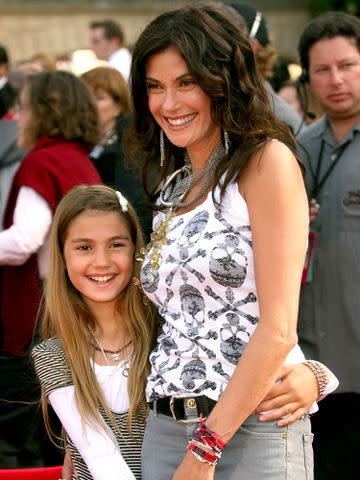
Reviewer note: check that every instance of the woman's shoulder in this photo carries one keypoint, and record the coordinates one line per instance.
(272, 164)
(272, 156)
(273, 149)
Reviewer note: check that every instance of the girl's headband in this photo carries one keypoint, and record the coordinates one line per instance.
(122, 201)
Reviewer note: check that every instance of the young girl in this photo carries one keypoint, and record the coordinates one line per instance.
(97, 333)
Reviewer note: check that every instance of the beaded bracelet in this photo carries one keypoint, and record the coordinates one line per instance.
(320, 373)
(206, 438)
(202, 455)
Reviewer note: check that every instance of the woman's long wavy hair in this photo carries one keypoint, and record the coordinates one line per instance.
(219, 57)
(66, 315)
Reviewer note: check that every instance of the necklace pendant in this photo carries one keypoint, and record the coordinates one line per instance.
(116, 357)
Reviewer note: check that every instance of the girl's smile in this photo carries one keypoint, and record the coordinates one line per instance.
(98, 252)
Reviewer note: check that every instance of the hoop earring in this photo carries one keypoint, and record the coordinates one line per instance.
(162, 148)
(226, 142)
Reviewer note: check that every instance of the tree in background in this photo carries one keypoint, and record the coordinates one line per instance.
(321, 6)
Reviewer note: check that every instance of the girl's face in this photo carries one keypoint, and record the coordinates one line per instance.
(24, 120)
(108, 109)
(179, 105)
(99, 256)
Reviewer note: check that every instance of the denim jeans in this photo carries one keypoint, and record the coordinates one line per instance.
(257, 451)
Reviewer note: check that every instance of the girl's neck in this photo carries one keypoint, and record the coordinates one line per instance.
(110, 324)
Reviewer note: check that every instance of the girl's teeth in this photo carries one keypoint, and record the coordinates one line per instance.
(101, 279)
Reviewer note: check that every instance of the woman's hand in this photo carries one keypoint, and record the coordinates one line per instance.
(292, 397)
(192, 469)
(314, 209)
(68, 468)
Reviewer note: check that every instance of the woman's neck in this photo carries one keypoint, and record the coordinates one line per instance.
(108, 127)
(199, 154)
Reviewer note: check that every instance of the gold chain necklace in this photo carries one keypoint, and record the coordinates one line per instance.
(171, 198)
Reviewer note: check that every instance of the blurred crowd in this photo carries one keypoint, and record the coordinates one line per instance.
(59, 130)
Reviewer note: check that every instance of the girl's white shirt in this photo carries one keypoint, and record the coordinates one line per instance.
(96, 445)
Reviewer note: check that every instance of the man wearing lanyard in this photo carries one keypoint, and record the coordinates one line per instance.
(329, 321)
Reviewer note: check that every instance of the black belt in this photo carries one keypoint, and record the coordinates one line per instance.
(175, 407)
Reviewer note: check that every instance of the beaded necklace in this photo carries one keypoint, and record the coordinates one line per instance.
(172, 192)
(115, 354)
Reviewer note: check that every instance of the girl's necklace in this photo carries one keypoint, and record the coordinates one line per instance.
(115, 354)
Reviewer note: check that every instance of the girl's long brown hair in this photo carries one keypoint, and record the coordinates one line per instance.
(66, 315)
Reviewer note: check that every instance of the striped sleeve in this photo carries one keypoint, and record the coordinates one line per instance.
(51, 366)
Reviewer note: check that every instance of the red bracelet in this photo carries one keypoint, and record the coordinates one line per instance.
(203, 456)
(212, 439)
(208, 439)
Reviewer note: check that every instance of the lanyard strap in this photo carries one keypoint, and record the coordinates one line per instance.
(319, 183)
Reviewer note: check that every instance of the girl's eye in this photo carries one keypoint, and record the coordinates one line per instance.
(84, 248)
(117, 245)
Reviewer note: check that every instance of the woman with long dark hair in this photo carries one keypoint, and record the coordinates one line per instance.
(226, 256)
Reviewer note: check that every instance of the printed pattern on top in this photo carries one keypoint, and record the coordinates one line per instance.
(206, 293)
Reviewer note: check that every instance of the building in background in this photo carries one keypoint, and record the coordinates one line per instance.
(60, 27)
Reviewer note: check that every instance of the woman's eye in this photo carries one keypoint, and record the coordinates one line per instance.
(152, 86)
(187, 82)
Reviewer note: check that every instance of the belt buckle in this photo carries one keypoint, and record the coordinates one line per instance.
(191, 403)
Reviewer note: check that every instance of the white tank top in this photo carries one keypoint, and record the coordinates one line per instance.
(205, 291)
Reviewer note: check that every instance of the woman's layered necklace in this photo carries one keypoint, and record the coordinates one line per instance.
(175, 188)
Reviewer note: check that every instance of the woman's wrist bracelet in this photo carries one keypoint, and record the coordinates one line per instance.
(320, 374)
(203, 456)
(206, 445)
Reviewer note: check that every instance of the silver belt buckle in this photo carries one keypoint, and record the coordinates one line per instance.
(191, 403)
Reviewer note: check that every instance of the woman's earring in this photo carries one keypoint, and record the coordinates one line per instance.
(136, 282)
(226, 142)
(162, 148)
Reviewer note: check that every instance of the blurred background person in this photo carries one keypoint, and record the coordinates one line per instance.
(289, 92)
(265, 56)
(58, 125)
(7, 92)
(116, 170)
(287, 81)
(113, 105)
(43, 62)
(10, 154)
(329, 326)
(107, 41)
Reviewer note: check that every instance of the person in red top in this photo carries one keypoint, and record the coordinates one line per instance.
(58, 125)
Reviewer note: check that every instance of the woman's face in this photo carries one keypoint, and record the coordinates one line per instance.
(108, 109)
(24, 121)
(179, 105)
